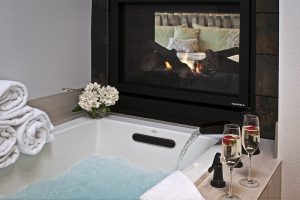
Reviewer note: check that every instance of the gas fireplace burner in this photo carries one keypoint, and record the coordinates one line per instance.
(162, 67)
(181, 61)
(213, 61)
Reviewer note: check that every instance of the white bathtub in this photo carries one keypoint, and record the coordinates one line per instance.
(112, 135)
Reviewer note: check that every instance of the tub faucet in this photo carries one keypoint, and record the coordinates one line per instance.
(217, 167)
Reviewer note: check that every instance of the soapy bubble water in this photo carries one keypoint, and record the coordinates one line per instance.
(96, 177)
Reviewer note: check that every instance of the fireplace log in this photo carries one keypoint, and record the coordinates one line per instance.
(228, 52)
(167, 55)
(217, 58)
(219, 61)
(170, 56)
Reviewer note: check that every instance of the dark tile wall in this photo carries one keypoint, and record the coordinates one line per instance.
(267, 38)
(100, 43)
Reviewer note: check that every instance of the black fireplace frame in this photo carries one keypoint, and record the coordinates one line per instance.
(181, 106)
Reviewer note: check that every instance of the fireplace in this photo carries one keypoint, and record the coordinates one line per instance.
(183, 61)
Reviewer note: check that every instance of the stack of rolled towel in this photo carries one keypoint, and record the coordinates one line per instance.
(22, 128)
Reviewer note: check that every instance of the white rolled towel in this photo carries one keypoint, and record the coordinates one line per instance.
(34, 133)
(175, 186)
(17, 117)
(9, 151)
(13, 96)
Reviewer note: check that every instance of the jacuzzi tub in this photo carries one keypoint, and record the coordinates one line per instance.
(112, 135)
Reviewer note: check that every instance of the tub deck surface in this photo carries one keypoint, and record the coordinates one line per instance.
(264, 166)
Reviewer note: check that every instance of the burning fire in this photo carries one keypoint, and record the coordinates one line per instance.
(190, 63)
(195, 66)
(198, 67)
(168, 66)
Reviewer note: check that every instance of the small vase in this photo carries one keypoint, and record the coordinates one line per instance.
(97, 115)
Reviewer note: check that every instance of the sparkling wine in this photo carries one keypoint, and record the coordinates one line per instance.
(250, 138)
(231, 145)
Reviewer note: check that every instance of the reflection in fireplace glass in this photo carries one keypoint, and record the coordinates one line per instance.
(191, 51)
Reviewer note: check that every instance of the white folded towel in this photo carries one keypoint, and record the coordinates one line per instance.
(9, 151)
(17, 117)
(175, 186)
(10, 158)
(13, 96)
(34, 133)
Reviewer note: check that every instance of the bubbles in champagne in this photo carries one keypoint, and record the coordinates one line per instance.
(231, 146)
(250, 138)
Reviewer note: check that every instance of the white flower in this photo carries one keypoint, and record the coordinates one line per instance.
(111, 96)
(92, 87)
(101, 94)
(95, 96)
(88, 100)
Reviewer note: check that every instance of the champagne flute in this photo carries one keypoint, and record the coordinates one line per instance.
(250, 142)
(231, 150)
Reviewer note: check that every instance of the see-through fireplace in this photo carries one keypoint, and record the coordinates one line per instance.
(183, 61)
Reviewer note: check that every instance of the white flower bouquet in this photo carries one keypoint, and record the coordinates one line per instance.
(97, 99)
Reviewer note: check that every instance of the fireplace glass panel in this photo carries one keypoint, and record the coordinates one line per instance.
(184, 47)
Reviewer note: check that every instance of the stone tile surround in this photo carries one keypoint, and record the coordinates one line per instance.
(267, 51)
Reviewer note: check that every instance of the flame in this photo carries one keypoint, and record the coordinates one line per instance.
(198, 68)
(168, 65)
(195, 66)
(189, 63)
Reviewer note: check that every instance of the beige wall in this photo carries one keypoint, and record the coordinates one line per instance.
(46, 44)
(289, 97)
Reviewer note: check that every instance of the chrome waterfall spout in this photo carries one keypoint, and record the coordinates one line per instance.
(191, 139)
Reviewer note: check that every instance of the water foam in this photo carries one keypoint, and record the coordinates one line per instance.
(97, 177)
